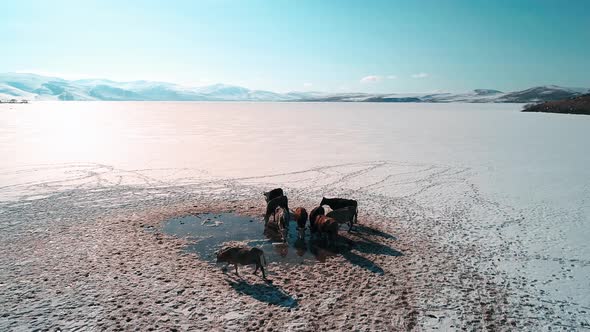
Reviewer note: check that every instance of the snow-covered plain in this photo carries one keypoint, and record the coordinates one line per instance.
(501, 193)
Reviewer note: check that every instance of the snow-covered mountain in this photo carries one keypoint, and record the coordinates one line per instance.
(37, 87)
(536, 94)
(542, 93)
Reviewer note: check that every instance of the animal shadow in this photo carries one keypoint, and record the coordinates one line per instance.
(300, 247)
(371, 247)
(360, 229)
(267, 293)
(363, 262)
(364, 241)
(321, 250)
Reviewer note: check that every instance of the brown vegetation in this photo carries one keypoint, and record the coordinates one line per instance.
(576, 105)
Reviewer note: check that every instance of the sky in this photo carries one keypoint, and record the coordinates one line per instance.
(279, 45)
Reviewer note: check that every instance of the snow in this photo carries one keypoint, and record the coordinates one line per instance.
(491, 219)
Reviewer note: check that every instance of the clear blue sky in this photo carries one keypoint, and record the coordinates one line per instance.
(396, 46)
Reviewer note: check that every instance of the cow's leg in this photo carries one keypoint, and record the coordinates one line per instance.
(259, 265)
(331, 239)
(236, 265)
(269, 211)
(266, 217)
(280, 227)
(288, 213)
(285, 229)
(286, 226)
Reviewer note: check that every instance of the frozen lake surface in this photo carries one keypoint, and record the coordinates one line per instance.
(516, 183)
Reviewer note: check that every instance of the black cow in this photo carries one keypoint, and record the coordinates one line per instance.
(339, 203)
(344, 215)
(270, 195)
(273, 204)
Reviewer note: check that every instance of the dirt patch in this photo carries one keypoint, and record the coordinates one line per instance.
(93, 270)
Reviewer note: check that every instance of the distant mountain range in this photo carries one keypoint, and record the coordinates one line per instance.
(37, 87)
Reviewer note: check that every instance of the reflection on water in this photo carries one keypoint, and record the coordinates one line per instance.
(209, 232)
(300, 247)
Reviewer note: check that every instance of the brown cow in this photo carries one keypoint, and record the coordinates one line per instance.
(344, 215)
(328, 226)
(300, 216)
(273, 204)
(317, 211)
(243, 256)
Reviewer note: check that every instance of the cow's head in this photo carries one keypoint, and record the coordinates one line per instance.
(223, 255)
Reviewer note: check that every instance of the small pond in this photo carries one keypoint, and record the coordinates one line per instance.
(209, 232)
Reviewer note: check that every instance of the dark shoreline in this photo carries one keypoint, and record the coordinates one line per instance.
(576, 105)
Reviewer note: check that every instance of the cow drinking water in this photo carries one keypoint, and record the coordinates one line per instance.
(283, 222)
(317, 211)
(273, 204)
(301, 219)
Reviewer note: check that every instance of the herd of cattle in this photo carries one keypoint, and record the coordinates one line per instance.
(322, 224)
